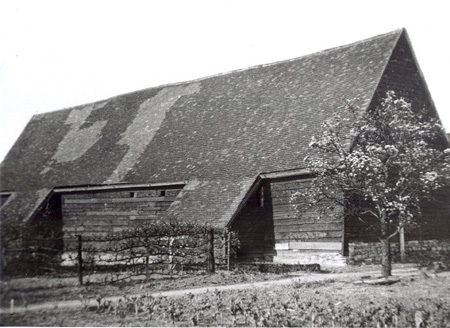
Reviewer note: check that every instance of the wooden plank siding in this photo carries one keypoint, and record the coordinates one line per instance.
(403, 76)
(435, 220)
(308, 227)
(434, 223)
(270, 227)
(306, 237)
(254, 226)
(102, 212)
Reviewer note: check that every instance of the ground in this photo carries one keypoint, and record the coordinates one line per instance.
(28, 291)
(342, 299)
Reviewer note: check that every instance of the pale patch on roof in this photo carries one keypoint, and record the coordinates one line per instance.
(192, 184)
(244, 187)
(149, 118)
(10, 198)
(78, 141)
(224, 130)
(40, 196)
(209, 202)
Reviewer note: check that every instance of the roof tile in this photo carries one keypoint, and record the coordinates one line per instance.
(222, 130)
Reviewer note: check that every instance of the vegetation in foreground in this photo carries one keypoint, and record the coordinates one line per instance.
(413, 302)
(378, 166)
(39, 289)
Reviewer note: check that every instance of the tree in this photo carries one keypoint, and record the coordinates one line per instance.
(378, 166)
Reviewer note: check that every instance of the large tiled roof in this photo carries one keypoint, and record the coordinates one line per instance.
(219, 132)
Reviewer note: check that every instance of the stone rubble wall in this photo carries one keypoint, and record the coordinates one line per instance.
(417, 251)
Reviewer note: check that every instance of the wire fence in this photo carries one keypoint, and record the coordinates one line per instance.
(170, 247)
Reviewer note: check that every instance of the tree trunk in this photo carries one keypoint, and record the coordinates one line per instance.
(402, 244)
(385, 248)
(385, 257)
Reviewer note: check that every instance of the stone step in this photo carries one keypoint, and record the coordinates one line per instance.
(325, 259)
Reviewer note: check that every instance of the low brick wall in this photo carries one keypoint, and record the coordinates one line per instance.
(423, 251)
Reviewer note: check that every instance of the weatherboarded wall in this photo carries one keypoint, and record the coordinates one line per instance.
(254, 226)
(403, 76)
(433, 224)
(103, 212)
(305, 236)
(304, 226)
(435, 220)
(270, 228)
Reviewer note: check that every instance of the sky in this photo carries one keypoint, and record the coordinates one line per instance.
(59, 54)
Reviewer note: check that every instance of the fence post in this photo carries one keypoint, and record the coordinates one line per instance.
(147, 271)
(211, 261)
(228, 250)
(80, 262)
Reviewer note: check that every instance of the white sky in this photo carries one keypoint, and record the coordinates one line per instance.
(57, 54)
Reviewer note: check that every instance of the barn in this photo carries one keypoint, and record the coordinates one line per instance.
(225, 150)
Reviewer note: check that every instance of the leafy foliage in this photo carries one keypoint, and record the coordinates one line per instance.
(381, 164)
(414, 301)
(167, 246)
(30, 249)
(288, 306)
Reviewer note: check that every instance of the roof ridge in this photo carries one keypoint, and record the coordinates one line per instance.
(380, 36)
(173, 84)
(260, 110)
